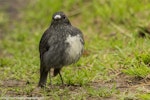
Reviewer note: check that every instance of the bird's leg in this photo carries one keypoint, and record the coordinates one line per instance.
(61, 78)
(50, 77)
(57, 71)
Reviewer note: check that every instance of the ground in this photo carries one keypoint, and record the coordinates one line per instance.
(115, 63)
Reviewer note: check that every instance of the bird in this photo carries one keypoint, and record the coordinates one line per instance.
(61, 45)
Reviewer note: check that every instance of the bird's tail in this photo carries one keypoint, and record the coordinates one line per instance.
(43, 77)
(56, 71)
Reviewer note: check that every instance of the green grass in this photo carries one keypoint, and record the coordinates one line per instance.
(112, 46)
(144, 96)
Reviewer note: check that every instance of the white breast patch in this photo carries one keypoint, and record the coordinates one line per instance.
(75, 48)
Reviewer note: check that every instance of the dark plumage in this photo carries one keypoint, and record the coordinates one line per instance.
(61, 45)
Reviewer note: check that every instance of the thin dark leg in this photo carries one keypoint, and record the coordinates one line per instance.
(50, 77)
(61, 78)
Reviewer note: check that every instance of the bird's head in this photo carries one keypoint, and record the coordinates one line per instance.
(60, 18)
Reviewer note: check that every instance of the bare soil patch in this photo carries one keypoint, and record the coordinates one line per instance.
(123, 83)
(12, 9)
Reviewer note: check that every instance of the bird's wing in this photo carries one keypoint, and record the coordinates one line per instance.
(43, 46)
(52, 48)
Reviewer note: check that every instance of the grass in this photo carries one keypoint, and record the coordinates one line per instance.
(112, 49)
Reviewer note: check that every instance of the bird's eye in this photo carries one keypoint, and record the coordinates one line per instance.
(64, 17)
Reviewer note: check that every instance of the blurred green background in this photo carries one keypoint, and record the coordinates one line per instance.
(114, 66)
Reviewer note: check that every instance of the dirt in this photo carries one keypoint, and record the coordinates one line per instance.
(13, 83)
(12, 9)
(123, 83)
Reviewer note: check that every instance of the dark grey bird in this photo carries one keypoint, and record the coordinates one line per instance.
(61, 44)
